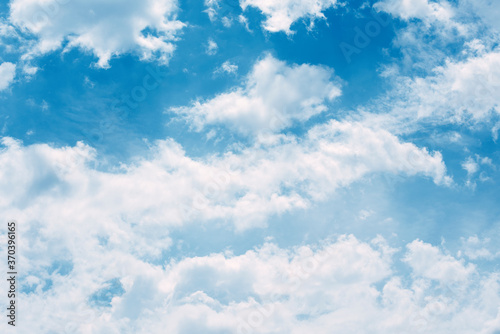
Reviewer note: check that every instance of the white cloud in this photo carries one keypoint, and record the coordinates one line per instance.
(7, 31)
(440, 10)
(475, 248)
(115, 224)
(225, 9)
(105, 28)
(211, 47)
(429, 262)
(461, 92)
(87, 82)
(247, 186)
(227, 22)
(340, 285)
(472, 83)
(30, 70)
(428, 11)
(281, 14)
(365, 214)
(471, 166)
(244, 21)
(431, 27)
(8, 34)
(7, 74)
(273, 96)
(487, 10)
(467, 79)
(212, 6)
(227, 67)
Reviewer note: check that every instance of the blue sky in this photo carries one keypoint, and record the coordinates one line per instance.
(252, 166)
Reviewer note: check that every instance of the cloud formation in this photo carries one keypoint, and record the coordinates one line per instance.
(104, 28)
(272, 97)
(281, 14)
(341, 284)
(420, 9)
(460, 92)
(7, 74)
(279, 174)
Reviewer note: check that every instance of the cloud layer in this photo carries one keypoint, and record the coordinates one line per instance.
(341, 284)
(276, 175)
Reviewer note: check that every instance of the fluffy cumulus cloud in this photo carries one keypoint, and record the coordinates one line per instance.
(105, 28)
(93, 239)
(456, 85)
(339, 285)
(429, 262)
(7, 74)
(281, 14)
(458, 92)
(275, 175)
(273, 96)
